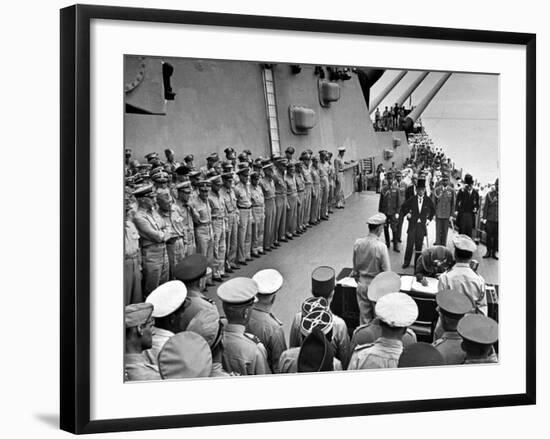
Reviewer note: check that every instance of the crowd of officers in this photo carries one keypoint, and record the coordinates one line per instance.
(230, 210)
(177, 332)
(423, 192)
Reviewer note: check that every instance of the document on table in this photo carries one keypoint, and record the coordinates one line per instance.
(347, 282)
(409, 283)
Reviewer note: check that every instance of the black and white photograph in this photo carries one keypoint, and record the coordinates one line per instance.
(295, 218)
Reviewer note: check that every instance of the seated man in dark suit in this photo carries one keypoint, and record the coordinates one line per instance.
(419, 210)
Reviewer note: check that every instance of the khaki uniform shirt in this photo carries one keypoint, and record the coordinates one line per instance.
(217, 205)
(383, 353)
(202, 213)
(160, 336)
(462, 279)
(268, 187)
(243, 353)
(242, 193)
(444, 201)
(450, 347)
(131, 238)
(370, 256)
(257, 196)
(138, 368)
(194, 303)
(230, 200)
(269, 329)
(150, 226)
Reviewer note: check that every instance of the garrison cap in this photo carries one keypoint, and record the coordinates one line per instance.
(185, 355)
(377, 219)
(323, 281)
(184, 186)
(313, 303)
(420, 354)
(464, 242)
(189, 158)
(478, 328)
(453, 302)
(238, 291)
(382, 284)
(319, 318)
(208, 325)
(144, 191)
(398, 310)
(290, 150)
(316, 353)
(167, 298)
(269, 281)
(191, 268)
(213, 157)
(137, 314)
(151, 155)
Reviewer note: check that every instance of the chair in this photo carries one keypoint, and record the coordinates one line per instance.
(424, 325)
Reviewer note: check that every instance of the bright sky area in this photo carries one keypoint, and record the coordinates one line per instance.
(462, 118)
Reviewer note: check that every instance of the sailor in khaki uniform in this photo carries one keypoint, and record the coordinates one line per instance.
(138, 321)
(190, 271)
(451, 308)
(175, 228)
(479, 333)
(232, 226)
(185, 209)
(444, 196)
(268, 188)
(167, 300)
(315, 215)
(208, 325)
(219, 220)
(263, 323)
(384, 283)
(280, 200)
(153, 235)
(320, 322)
(300, 189)
(132, 257)
(396, 312)
(370, 257)
(202, 219)
(461, 279)
(339, 178)
(243, 353)
(258, 215)
(322, 286)
(291, 201)
(185, 355)
(244, 204)
(306, 175)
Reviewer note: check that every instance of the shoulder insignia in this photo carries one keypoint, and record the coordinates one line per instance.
(438, 342)
(252, 337)
(363, 346)
(276, 319)
(361, 327)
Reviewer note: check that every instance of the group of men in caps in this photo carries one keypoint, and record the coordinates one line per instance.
(230, 210)
(179, 333)
(463, 333)
(431, 196)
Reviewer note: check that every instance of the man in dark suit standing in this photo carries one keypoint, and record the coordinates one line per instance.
(419, 210)
(467, 206)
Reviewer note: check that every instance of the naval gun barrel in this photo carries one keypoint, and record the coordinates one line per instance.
(409, 121)
(404, 96)
(386, 91)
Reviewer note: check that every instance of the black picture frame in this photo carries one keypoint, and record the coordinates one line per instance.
(75, 217)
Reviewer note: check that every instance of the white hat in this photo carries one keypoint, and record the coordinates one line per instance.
(167, 298)
(269, 281)
(464, 242)
(396, 309)
(382, 284)
(377, 219)
(238, 291)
